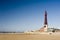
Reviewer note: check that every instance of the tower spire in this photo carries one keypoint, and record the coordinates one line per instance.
(45, 18)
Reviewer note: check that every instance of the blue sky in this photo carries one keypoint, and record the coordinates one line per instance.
(26, 15)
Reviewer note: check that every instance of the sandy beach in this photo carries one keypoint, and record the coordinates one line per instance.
(29, 37)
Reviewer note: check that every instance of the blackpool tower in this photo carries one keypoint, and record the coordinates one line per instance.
(45, 21)
(45, 26)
